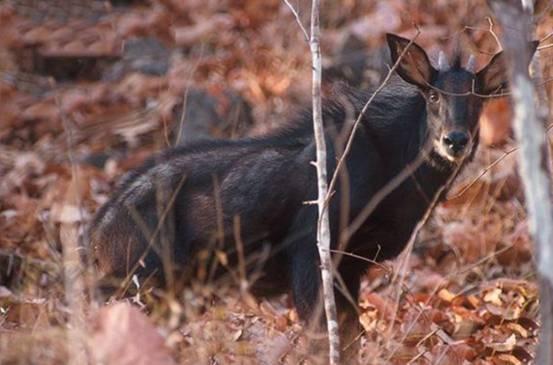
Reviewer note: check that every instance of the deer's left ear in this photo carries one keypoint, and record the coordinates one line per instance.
(493, 78)
(414, 67)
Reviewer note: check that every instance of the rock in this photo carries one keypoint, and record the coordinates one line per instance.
(211, 115)
(144, 55)
(124, 335)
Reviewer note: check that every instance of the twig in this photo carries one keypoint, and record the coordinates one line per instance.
(240, 251)
(541, 48)
(349, 142)
(483, 172)
(434, 291)
(298, 20)
(381, 195)
(486, 169)
(74, 283)
(549, 35)
(409, 249)
(323, 225)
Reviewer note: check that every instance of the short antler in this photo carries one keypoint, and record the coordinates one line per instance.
(443, 64)
(471, 64)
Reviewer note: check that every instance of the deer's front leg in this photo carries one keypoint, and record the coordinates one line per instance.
(307, 295)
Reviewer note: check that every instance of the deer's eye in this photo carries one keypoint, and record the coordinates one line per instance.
(433, 97)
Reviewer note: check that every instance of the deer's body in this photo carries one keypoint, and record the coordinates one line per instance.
(224, 195)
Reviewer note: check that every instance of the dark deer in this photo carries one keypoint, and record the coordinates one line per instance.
(249, 196)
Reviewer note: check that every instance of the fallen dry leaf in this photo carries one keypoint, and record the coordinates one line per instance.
(505, 346)
(123, 335)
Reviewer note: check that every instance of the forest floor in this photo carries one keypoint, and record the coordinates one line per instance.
(89, 89)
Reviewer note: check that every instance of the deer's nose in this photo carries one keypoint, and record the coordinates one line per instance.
(455, 141)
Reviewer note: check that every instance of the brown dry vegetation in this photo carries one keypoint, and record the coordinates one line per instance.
(77, 112)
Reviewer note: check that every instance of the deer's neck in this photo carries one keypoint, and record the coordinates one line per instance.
(430, 171)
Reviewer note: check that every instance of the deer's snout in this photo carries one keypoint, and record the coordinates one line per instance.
(455, 142)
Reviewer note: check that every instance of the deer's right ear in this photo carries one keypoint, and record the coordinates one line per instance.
(414, 67)
(493, 78)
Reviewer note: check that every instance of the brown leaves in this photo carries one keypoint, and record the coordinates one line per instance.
(68, 84)
(202, 31)
(451, 309)
(240, 331)
(492, 325)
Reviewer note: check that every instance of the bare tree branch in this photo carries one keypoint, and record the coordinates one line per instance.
(298, 20)
(73, 272)
(323, 226)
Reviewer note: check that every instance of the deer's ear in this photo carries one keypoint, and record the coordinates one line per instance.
(414, 67)
(493, 78)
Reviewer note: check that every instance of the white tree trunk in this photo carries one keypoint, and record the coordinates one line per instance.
(530, 132)
(323, 225)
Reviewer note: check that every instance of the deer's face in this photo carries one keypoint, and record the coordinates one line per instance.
(452, 113)
(453, 94)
